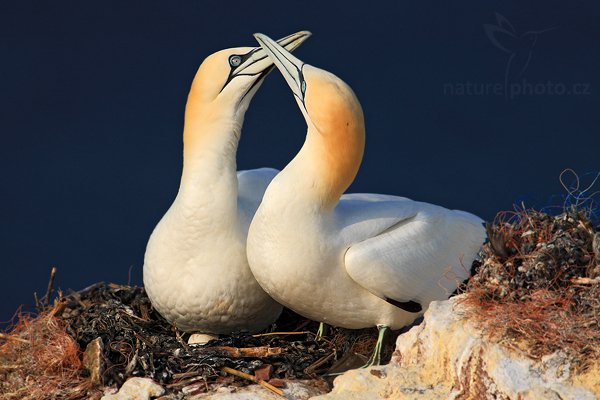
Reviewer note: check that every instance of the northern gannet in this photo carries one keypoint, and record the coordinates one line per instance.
(356, 260)
(196, 272)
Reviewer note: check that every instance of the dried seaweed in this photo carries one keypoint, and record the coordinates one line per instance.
(137, 341)
(537, 286)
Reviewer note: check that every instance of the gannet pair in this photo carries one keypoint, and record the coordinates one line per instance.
(352, 261)
(196, 272)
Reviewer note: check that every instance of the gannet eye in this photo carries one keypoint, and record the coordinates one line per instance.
(235, 61)
(303, 86)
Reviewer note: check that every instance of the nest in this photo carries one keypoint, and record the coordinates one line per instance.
(42, 356)
(537, 285)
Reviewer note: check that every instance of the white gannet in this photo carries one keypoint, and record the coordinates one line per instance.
(196, 272)
(352, 261)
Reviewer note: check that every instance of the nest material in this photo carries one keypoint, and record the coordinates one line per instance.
(137, 341)
(537, 285)
(39, 360)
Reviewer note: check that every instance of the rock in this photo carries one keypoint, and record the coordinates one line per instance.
(92, 361)
(136, 389)
(446, 357)
(201, 338)
(94, 395)
(264, 372)
(278, 383)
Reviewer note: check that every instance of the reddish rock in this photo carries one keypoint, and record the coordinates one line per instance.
(264, 372)
(278, 383)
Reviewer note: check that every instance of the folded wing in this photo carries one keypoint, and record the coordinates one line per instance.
(420, 257)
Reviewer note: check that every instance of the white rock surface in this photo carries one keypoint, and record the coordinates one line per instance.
(136, 389)
(447, 358)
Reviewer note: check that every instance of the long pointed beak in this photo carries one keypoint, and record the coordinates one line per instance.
(290, 66)
(257, 62)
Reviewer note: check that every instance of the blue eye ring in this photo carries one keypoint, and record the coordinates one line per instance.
(303, 86)
(235, 61)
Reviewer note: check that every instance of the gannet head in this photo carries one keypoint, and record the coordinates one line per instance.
(227, 80)
(336, 129)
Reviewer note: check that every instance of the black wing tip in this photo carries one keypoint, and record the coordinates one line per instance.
(409, 306)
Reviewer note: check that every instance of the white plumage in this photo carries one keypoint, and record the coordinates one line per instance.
(195, 269)
(356, 260)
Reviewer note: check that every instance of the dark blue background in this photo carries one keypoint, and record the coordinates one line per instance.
(93, 92)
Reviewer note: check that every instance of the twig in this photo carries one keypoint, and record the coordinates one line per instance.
(129, 275)
(252, 378)
(50, 285)
(116, 286)
(311, 368)
(254, 352)
(185, 375)
(186, 382)
(77, 297)
(143, 339)
(38, 305)
(144, 312)
(282, 333)
(179, 338)
(581, 280)
(88, 289)
(59, 307)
